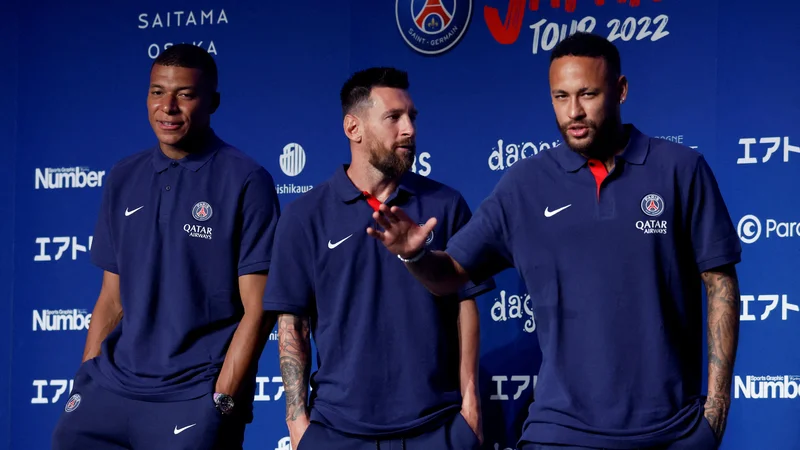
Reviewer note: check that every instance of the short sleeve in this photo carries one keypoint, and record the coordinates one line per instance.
(103, 254)
(461, 215)
(713, 235)
(482, 246)
(260, 212)
(290, 286)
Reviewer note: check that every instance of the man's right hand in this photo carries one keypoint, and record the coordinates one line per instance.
(297, 428)
(401, 236)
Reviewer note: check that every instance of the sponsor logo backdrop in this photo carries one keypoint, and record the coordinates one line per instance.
(707, 74)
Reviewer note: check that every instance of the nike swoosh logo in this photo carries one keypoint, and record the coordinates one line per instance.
(181, 430)
(332, 246)
(548, 213)
(128, 213)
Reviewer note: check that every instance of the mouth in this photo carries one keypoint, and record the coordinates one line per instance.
(169, 125)
(410, 148)
(578, 131)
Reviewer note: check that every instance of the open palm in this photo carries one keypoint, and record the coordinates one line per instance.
(401, 235)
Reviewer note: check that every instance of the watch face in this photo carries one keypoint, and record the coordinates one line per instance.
(225, 403)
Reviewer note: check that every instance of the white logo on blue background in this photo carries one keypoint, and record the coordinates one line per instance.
(293, 159)
(749, 229)
(432, 27)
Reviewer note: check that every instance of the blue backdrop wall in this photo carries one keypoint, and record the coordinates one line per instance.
(717, 76)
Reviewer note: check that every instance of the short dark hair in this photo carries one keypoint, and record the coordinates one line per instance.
(591, 45)
(191, 57)
(358, 87)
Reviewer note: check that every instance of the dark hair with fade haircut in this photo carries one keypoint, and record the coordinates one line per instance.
(358, 87)
(191, 57)
(590, 45)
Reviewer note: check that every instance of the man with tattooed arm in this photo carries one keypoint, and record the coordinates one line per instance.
(397, 366)
(613, 234)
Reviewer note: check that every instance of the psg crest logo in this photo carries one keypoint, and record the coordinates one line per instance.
(73, 403)
(652, 205)
(432, 27)
(202, 211)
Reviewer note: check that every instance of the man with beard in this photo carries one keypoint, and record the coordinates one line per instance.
(612, 234)
(397, 366)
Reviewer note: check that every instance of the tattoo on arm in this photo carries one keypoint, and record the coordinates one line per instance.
(294, 346)
(722, 290)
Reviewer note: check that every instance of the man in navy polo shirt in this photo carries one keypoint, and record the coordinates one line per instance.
(397, 366)
(612, 234)
(184, 238)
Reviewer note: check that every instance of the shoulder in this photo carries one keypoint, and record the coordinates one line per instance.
(525, 174)
(132, 162)
(129, 165)
(544, 161)
(431, 189)
(308, 205)
(665, 150)
(239, 164)
(681, 159)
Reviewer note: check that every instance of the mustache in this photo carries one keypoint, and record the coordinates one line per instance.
(407, 143)
(587, 124)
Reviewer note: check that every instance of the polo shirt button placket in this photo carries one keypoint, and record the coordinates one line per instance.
(600, 173)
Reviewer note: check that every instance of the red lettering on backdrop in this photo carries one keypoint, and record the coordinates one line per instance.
(507, 31)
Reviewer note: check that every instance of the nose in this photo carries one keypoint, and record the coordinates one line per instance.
(407, 127)
(169, 104)
(576, 111)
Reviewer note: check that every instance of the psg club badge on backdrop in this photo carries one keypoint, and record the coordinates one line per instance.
(432, 27)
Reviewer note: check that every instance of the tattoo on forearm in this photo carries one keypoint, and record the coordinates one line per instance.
(294, 346)
(722, 289)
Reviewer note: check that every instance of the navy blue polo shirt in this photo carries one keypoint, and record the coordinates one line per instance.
(612, 263)
(179, 234)
(387, 349)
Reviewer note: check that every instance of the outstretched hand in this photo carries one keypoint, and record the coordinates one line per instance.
(401, 235)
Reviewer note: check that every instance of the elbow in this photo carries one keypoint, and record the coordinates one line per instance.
(441, 290)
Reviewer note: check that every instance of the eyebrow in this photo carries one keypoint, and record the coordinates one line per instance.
(179, 88)
(412, 111)
(580, 91)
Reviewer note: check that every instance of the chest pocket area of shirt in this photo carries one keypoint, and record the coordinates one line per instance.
(206, 232)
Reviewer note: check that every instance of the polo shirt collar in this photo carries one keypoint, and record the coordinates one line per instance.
(192, 161)
(638, 146)
(635, 151)
(348, 192)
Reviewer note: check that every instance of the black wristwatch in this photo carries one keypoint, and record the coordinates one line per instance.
(224, 403)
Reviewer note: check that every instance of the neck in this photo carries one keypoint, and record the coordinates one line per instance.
(367, 178)
(193, 143)
(607, 149)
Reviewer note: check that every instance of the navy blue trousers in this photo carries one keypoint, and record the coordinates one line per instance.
(455, 434)
(97, 419)
(701, 438)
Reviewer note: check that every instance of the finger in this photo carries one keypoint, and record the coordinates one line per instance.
(382, 220)
(429, 225)
(400, 215)
(375, 233)
(389, 214)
